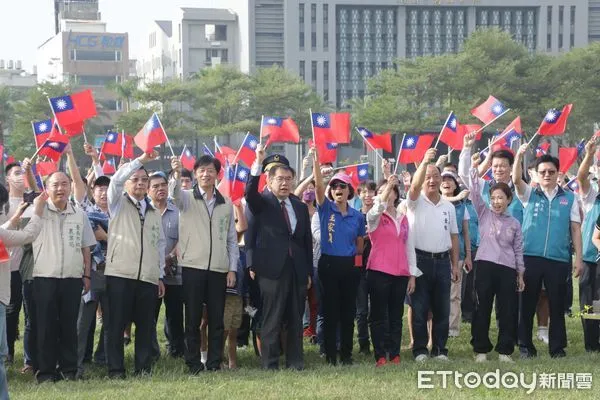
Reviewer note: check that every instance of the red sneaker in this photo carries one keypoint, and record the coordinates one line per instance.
(308, 332)
(395, 360)
(381, 362)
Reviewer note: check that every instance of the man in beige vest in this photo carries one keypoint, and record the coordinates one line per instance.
(208, 254)
(135, 262)
(62, 259)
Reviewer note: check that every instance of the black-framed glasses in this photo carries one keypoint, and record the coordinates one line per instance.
(339, 185)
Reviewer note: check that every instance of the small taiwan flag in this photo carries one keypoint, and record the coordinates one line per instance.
(453, 133)
(42, 130)
(327, 152)
(279, 130)
(151, 135)
(54, 146)
(542, 149)
(331, 127)
(555, 121)
(488, 175)
(113, 144)
(109, 167)
(358, 173)
(187, 159)
(74, 108)
(491, 109)
(247, 151)
(573, 185)
(382, 141)
(413, 148)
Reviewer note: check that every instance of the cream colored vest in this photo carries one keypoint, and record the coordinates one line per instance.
(132, 249)
(203, 239)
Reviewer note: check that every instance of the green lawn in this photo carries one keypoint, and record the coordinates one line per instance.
(361, 381)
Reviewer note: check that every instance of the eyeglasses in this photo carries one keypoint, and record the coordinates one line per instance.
(339, 185)
(281, 179)
(549, 172)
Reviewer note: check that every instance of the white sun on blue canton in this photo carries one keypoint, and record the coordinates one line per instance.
(54, 145)
(271, 121)
(452, 123)
(253, 144)
(497, 109)
(410, 142)
(61, 104)
(551, 116)
(321, 120)
(43, 127)
(362, 172)
(150, 125)
(111, 136)
(242, 175)
(363, 132)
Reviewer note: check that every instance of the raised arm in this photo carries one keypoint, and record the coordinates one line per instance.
(419, 177)
(254, 199)
(319, 184)
(584, 169)
(517, 172)
(79, 188)
(26, 164)
(380, 204)
(303, 185)
(117, 182)
(180, 198)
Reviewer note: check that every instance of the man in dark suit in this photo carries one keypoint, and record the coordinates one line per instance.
(281, 258)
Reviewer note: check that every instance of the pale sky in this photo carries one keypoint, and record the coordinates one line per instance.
(26, 24)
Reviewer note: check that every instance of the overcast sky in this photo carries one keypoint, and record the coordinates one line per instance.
(25, 24)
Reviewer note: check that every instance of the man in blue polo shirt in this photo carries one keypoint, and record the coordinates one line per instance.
(551, 223)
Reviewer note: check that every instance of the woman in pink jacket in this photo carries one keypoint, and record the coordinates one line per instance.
(391, 270)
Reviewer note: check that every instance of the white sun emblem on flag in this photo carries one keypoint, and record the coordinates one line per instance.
(242, 175)
(321, 120)
(271, 121)
(551, 116)
(54, 145)
(150, 125)
(410, 142)
(61, 104)
(497, 109)
(187, 153)
(252, 144)
(453, 123)
(363, 132)
(362, 172)
(111, 137)
(43, 127)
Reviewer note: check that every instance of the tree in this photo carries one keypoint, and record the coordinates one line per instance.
(125, 91)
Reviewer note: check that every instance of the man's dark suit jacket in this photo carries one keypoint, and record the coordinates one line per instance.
(270, 238)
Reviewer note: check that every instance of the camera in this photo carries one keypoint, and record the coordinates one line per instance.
(28, 197)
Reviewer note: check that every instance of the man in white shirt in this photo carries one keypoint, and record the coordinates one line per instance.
(437, 246)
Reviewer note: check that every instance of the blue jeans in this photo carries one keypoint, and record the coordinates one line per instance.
(432, 292)
(3, 353)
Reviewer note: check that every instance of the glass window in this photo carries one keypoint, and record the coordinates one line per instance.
(325, 14)
(117, 55)
(301, 13)
(313, 40)
(325, 40)
(313, 72)
(96, 80)
(325, 71)
(313, 13)
(302, 72)
(301, 40)
(224, 55)
(221, 32)
(88, 55)
(208, 55)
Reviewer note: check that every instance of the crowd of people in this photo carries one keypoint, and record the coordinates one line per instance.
(304, 257)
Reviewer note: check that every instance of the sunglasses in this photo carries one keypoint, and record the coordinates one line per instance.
(339, 185)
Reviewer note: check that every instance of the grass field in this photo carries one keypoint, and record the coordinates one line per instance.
(318, 381)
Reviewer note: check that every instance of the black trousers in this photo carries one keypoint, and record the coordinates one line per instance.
(203, 287)
(554, 275)
(129, 300)
(467, 303)
(589, 291)
(387, 293)
(362, 309)
(283, 302)
(30, 334)
(57, 307)
(174, 319)
(494, 281)
(13, 310)
(339, 279)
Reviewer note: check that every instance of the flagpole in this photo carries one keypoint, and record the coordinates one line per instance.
(38, 150)
(369, 144)
(312, 127)
(166, 136)
(123, 143)
(348, 166)
(183, 151)
(533, 137)
(206, 147)
(488, 124)
(240, 149)
(262, 119)
(443, 126)
(84, 136)
(399, 152)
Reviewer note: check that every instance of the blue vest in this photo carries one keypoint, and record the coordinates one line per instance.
(473, 224)
(460, 216)
(515, 208)
(547, 225)
(590, 252)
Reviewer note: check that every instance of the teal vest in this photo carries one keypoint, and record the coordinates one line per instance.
(460, 215)
(590, 252)
(515, 208)
(547, 225)
(473, 224)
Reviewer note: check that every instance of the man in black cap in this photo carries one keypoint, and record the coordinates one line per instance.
(282, 258)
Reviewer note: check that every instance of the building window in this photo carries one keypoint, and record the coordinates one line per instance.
(549, 23)
(325, 94)
(313, 13)
(301, 13)
(97, 80)
(224, 55)
(118, 55)
(325, 73)
(302, 72)
(313, 40)
(572, 28)
(179, 33)
(215, 53)
(325, 14)
(208, 56)
(325, 40)
(313, 74)
(561, 18)
(87, 55)
(301, 40)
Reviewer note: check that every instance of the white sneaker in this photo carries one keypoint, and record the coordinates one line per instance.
(480, 357)
(543, 334)
(441, 357)
(203, 356)
(421, 358)
(505, 358)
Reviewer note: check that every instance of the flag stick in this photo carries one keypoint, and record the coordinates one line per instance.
(84, 137)
(348, 166)
(443, 126)
(38, 150)
(369, 144)
(399, 152)
(533, 137)
(262, 119)
(488, 124)
(166, 136)
(123, 143)
(240, 149)
(206, 148)
(312, 127)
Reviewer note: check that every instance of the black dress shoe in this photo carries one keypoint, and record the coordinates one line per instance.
(196, 369)
(558, 354)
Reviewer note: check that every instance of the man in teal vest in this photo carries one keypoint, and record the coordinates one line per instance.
(589, 280)
(551, 223)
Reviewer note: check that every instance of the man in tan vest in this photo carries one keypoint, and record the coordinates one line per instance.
(135, 262)
(208, 254)
(62, 259)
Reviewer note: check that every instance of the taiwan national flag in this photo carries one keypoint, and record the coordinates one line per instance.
(42, 130)
(109, 168)
(568, 155)
(573, 185)
(509, 135)
(113, 144)
(247, 151)
(327, 152)
(413, 148)
(73, 109)
(491, 109)
(187, 159)
(488, 175)
(453, 133)
(555, 122)
(151, 135)
(74, 129)
(127, 146)
(358, 173)
(54, 146)
(542, 149)
(7, 159)
(234, 181)
(45, 168)
(383, 141)
(279, 130)
(331, 127)
(206, 151)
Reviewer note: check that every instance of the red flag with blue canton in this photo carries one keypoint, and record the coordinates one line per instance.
(7, 159)
(568, 155)
(42, 130)
(206, 151)
(573, 185)
(331, 127)
(453, 132)
(279, 130)
(74, 108)
(45, 168)
(413, 148)
(151, 135)
(555, 122)
(489, 110)
(327, 152)
(127, 146)
(54, 146)
(187, 159)
(109, 168)
(358, 173)
(247, 151)
(542, 149)
(113, 144)
(382, 141)
(488, 176)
